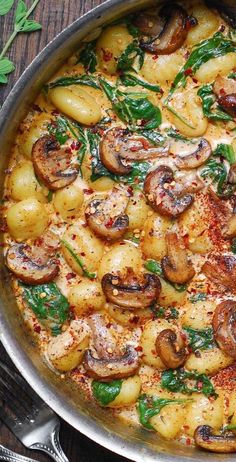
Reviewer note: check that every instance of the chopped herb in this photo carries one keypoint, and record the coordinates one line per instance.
(85, 79)
(130, 80)
(78, 260)
(59, 129)
(160, 312)
(216, 46)
(127, 59)
(48, 304)
(50, 196)
(149, 406)
(211, 109)
(232, 75)
(88, 57)
(176, 380)
(233, 245)
(104, 392)
(200, 339)
(198, 297)
(226, 151)
(218, 173)
(132, 108)
(179, 287)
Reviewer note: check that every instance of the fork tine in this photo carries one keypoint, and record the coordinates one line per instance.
(9, 421)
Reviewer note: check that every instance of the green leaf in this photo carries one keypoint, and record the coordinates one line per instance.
(200, 296)
(88, 80)
(131, 108)
(154, 267)
(210, 109)
(6, 66)
(105, 393)
(127, 59)
(129, 80)
(59, 129)
(21, 11)
(5, 6)
(216, 46)
(172, 133)
(218, 173)
(30, 26)
(149, 406)
(78, 260)
(226, 151)
(200, 339)
(233, 245)
(50, 196)
(232, 75)
(48, 304)
(154, 137)
(3, 79)
(180, 380)
(88, 57)
(164, 313)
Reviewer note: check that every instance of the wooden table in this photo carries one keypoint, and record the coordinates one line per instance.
(54, 15)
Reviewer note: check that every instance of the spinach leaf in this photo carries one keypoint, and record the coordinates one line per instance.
(216, 46)
(232, 75)
(200, 339)
(88, 57)
(200, 296)
(81, 136)
(149, 406)
(164, 313)
(210, 109)
(154, 137)
(172, 133)
(84, 79)
(105, 392)
(226, 151)
(129, 80)
(131, 107)
(59, 129)
(78, 260)
(127, 59)
(176, 380)
(233, 246)
(154, 267)
(48, 304)
(218, 173)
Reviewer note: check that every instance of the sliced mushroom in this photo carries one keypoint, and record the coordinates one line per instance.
(106, 216)
(128, 292)
(119, 146)
(165, 32)
(52, 163)
(196, 158)
(171, 349)
(176, 266)
(224, 327)
(223, 443)
(29, 267)
(228, 103)
(221, 269)
(164, 194)
(117, 367)
(226, 8)
(232, 174)
(103, 340)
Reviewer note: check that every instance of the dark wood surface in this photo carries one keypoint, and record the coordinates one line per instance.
(54, 15)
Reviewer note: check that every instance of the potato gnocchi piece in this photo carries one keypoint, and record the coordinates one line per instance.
(86, 296)
(188, 106)
(208, 361)
(65, 352)
(110, 45)
(38, 128)
(68, 201)
(204, 411)
(153, 244)
(120, 257)
(23, 183)
(137, 211)
(208, 23)
(162, 69)
(198, 315)
(129, 393)
(23, 219)
(169, 296)
(148, 342)
(216, 66)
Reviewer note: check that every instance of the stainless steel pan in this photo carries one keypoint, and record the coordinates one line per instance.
(65, 398)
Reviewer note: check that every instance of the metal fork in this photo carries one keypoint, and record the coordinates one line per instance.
(10, 456)
(27, 416)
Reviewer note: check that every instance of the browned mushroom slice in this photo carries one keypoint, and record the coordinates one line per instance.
(172, 21)
(232, 174)
(28, 267)
(106, 216)
(103, 340)
(196, 158)
(129, 293)
(221, 269)
(224, 327)
(171, 349)
(164, 194)
(223, 443)
(228, 103)
(116, 367)
(119, 146)
(227, 9)
(52, 163)
(176, 266)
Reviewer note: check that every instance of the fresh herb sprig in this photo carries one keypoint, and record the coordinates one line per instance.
(5, 6)
(21, 24)
(180, 380)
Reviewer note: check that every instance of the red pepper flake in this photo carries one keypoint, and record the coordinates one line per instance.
(109, 223)
(134, 320)
(155, 57)
(222, 28)
(138, 348)
(188, 71)
(88, 191)
(37, 328)
(75, 145)
(107, 55)
(73, 237)
(199, 385)
(70, 276)
(130, 191)
(222, 92)
(188, 441)
(194, 80)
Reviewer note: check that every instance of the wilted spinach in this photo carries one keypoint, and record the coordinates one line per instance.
(88, 57)
(48, 304)
(200, 296)
(59, 129)
(83, 79)
(105, 392)
(200, 339)
(154, 267)
(127, 59)
(226, 151)
(129, 80)
(218, 173)
(212, 110)
(180, 380)
(149, 406)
